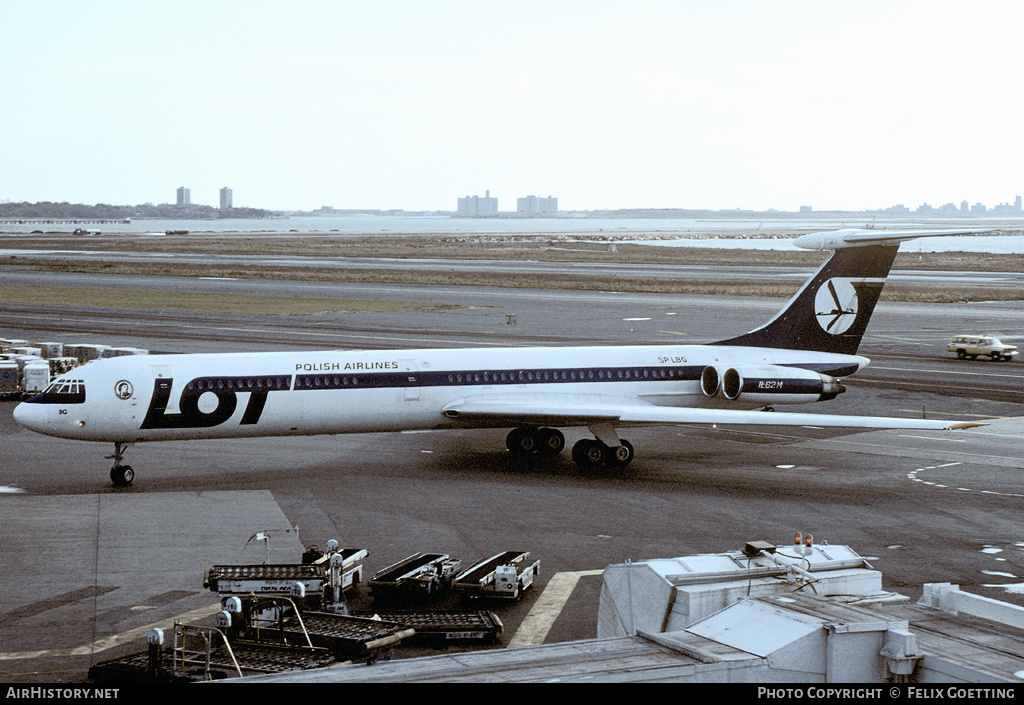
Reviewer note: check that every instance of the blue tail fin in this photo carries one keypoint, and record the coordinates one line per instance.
(831, 311)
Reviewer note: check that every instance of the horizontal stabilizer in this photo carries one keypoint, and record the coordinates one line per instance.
(831, 311)
(839, 239)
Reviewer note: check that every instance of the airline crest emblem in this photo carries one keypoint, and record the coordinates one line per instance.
(836, 304)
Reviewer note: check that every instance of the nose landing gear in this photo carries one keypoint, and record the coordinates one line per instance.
(120, 475)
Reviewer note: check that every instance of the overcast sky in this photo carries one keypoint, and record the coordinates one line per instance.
(736, 104)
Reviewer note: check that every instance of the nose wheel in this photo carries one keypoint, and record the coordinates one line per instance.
(120, 475)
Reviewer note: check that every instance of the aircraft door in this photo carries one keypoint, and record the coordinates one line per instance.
(161, 400)
(411, 390)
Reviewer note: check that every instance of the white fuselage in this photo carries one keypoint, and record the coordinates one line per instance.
(171, 397)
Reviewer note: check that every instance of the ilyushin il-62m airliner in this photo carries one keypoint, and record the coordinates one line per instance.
(799, 356)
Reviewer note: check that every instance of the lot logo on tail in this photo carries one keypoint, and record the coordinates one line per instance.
(831, 311)
(835, 305)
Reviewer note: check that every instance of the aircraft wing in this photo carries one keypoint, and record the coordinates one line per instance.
(558, 410)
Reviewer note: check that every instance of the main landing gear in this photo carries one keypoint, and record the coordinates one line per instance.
(588, 453)
(120, 475)
(591, 453)
(544, 441)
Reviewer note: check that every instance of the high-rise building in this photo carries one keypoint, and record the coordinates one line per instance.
(225, 198)
(533, 204)
(184, 196)
(477, 205)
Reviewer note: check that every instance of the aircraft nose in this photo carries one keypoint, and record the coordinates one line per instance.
(27, 415)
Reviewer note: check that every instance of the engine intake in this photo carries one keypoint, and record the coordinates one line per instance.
(769, 384)
(710, 381)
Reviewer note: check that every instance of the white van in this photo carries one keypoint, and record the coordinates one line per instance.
(973, 346)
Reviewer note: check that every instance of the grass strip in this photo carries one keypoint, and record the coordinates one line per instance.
(544, 247)
(916, 293)
(141, 299)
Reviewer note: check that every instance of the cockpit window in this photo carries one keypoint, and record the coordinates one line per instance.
(62, 391)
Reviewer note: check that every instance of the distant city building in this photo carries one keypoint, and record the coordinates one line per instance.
(184, 196)
(225, 198)
(806, 209)
(1008, 209)
(476, 205)
(533, 204)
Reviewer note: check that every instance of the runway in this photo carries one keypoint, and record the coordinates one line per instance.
(925, 507)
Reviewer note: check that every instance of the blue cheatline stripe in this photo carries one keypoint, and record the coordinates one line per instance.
(252, 383)
(457, 378)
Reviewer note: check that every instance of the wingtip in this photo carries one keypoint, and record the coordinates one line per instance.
(960, 425)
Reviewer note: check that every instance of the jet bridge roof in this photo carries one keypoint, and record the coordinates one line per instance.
(668, 594)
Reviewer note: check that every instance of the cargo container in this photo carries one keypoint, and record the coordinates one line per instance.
(35, 376)
(10, 379)
(51, 350)
(28, 350)
(60, 365)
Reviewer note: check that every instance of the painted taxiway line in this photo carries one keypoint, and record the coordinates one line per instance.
(913, 476)
(115, 639)
(548, 606)
(532, 631)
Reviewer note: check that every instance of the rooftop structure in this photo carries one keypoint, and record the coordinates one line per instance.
(762, 615)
